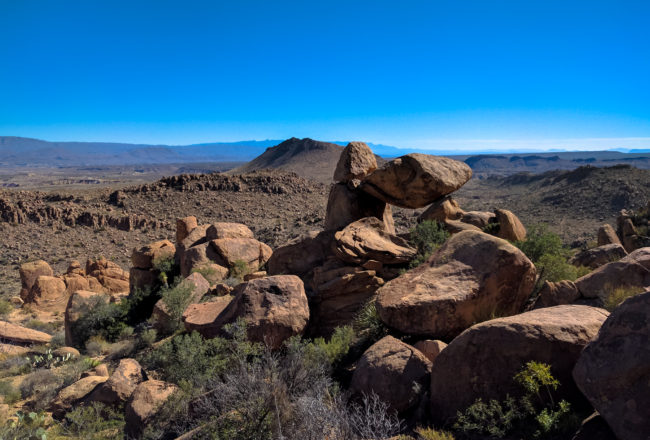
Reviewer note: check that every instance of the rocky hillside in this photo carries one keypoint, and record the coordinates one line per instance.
(308, 158)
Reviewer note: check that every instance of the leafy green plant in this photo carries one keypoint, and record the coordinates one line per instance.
(26, 426)
(337, 346)
(176, 299)
(5, 307)
(93, 422)
(239, 270)
(617, 295)
(367, 323)
(492, 228)
(9, 393)
(426, 237)
(541, 241)
(48, 360)
(535, 413)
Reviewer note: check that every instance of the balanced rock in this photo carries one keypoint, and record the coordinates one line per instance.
(29, 272)
(613, 371)
(347, 204)
(148, 255)
(199, 317)
(274, 308)
(482, 361)
(396, 372)
(228, 230)
(120, 385)
(510, 227)
(607, 235)
(416, 180)
(367, 239)
(18, 334)
(598, 256)
(471, 277)
(184, 226)
(145, 402)
(356, 161)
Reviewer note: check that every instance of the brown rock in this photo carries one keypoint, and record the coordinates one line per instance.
(481, 362)
(613, 371)
(471, 277)
(607, 235)
(556, 294)
(145, 401)
(74, 393)
(456, 226)
(76, 282)
(200, 317)
(367, 239)
(228, 230)
(195, 237)
(198, 256)
(347, 204)
(62, 352)
(416, 180)
(146, 256)
(78, 305)
(480, 219)
(391, 369)
(275, 308)
(510, 228)
(75, 268)
(22, 335)
(441, 210)
(196, 287)
(431, 348)
(255, 275)
(356, 162)
(212, 272)
(184, 226)
(300, 256)
(598, 256)
(121, 384)
(48, 293)
(221, 289)
(29, 272)
(249, 250)
(627, 233)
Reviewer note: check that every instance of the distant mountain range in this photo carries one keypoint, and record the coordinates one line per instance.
(307, 157)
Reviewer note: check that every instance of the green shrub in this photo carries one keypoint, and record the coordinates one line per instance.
(9, 393)
(617, 295)
(46, 327)
(26, 426)
(5, 307)
(239, 270)
(535, 414)
(176, 300)
(367, 323)
(432, 434)
(337, 346)
(492, 228)
(426, 237)
(555, 268)
(48, 360)
(541, 241)
(103, 320)
(42, 387)
(93, 422)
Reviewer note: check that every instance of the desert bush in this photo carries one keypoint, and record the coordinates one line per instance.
(9, 393)
(166, 268)
(48, 360)
(239, 270)
(26, 426)
(555, 268)
(541, 241)
(367, 324)
(101, 320)
(176, 299)
(331, 351)
(5, 307)
(432, 434)
(41, 386)
(535, 413)
(58, 339)
(14, 366)
(492, 228)
(426, 237)
(93, 422)
(615, 296)
(47, 327)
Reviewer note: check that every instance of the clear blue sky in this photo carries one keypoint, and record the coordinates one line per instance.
(433, 74)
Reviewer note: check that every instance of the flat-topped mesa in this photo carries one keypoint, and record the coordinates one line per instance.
(416, 180)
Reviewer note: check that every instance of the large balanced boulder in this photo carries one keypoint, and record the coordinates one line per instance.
(120, 385)
(613, 371)
(367, 239)
(473, 276)
(481, 362)
(274, 308)
(145, 402)
(356, 162)
(598, 256)
(396, 372)
(416, 180)
(347, 204)
(29, 272)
